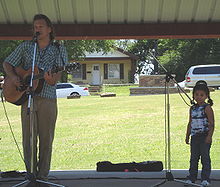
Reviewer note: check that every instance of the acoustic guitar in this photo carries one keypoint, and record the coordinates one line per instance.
(18, 96)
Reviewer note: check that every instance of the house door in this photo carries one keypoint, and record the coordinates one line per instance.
(96, 74)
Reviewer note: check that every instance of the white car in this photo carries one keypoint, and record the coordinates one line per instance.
(209, 73)
(67, 89)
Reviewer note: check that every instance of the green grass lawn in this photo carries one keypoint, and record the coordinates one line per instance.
(117, 129)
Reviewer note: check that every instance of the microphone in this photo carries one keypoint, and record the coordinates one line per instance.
(36, 36)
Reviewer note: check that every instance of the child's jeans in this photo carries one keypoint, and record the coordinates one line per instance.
(200, 148)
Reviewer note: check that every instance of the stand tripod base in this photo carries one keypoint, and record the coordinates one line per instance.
(37, 181)
(169, 177)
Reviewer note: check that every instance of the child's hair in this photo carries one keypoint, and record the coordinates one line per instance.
(202, 85)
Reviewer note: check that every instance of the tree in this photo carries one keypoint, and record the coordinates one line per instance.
(141, 49)
(76, 48)
(178, 55)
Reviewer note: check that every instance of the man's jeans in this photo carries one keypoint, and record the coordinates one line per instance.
(200, 148)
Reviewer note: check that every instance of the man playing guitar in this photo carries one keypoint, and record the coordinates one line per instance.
(48, 55)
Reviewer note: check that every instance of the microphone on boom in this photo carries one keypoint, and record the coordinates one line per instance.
(36, 36)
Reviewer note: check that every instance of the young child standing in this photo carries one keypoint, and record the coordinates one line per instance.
(200, 128)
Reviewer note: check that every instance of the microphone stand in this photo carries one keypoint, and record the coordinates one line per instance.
(31, 177)
(169, 175)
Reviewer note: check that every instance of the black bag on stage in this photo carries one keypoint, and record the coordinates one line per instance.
(132, 166)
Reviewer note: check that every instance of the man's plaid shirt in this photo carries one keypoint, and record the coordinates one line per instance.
(46, 59)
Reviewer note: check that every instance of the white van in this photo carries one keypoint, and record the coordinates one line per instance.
(209, 73)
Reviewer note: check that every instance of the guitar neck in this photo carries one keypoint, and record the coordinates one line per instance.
(39, 76)
(69, 67)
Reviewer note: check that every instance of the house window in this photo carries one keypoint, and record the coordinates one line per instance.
(96, 68)
(77, 73)
(113, 71)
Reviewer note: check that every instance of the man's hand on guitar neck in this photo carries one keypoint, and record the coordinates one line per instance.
(52, 78)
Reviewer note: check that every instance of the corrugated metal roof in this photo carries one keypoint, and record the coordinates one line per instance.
(109, 12)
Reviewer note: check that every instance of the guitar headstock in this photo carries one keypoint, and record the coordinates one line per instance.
(68, 68)
(71, 66)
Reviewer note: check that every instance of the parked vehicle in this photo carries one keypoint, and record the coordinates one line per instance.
(209, 73)
(68, 89)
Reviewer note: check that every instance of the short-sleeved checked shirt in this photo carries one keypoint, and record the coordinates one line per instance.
(46, 59)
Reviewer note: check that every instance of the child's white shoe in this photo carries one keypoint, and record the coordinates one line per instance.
(205, 183)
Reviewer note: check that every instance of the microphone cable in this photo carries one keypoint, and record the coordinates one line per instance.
(170, 77)
(6, 115)
(180, 92)
(183, 98)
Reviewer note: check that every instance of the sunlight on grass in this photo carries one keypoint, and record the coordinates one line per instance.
(118, 129)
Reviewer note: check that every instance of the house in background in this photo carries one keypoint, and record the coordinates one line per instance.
(114, 67)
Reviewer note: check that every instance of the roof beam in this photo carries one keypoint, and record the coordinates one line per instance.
(117, 31)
